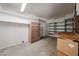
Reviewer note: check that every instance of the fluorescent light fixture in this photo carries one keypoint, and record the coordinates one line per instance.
(23, 7)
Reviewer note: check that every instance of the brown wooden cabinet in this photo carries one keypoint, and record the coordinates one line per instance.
(35, 32)
(68, 44)
(68, 47)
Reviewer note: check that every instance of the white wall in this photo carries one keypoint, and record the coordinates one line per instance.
(45, 31)
(77, 8)
(14, 19)
(43, 28)
(62, 18)
(12, 34)
(14, 29)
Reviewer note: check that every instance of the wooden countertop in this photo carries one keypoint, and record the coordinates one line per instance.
(69, 35)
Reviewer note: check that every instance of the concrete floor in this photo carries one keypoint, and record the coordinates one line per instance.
(44, 47)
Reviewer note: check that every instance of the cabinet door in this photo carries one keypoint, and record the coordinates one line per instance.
(67, 46)
(35, 32)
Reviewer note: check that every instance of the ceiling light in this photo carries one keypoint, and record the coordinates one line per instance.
(23, 7)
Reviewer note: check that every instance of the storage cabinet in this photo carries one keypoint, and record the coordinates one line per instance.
(68, 47)
(68, 43)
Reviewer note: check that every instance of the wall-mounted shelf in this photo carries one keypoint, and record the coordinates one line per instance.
(64, 26)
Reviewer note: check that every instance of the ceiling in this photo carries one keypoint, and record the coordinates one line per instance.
(44, 10)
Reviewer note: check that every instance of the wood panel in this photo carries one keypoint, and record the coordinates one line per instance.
(59, 53)
(35, 32)
(68, 47)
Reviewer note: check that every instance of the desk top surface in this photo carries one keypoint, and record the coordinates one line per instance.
(69, 35)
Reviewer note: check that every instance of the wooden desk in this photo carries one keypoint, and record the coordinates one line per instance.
(69, 35)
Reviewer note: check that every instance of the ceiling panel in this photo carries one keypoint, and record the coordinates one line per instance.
(44, 10)
(49, 10)
(14, 7)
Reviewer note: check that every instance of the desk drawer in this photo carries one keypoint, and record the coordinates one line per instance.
(67, 46)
